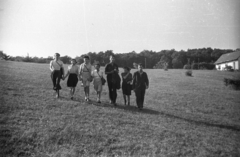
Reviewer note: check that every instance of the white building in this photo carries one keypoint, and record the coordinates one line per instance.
(229, 59)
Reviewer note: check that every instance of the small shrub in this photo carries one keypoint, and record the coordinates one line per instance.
(188, 73)
(229, 68)
(187, 66)
(233, 83)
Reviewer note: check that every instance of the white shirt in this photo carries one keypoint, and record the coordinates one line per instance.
(55, 65)
(73, 69)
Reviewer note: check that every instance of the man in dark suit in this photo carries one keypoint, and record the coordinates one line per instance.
(113, 81)
(140, 84)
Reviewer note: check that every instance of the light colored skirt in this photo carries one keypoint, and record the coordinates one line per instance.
(97, 83)
(85, 77)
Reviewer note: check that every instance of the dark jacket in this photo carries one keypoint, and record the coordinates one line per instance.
(113, 78)
(140, 81)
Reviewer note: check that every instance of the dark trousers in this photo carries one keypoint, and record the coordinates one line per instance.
(56, 78)
(112, 91)
(140, 93)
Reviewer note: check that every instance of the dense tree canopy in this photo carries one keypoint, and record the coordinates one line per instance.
(149, 59)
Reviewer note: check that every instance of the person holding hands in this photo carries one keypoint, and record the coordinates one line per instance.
(140, 84)
(72, 75)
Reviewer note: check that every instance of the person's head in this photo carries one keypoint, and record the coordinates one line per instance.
(56, 56)
(112, 59)
(73, 61)
(97, 66)
(140, 66)
(126, 69)
(86, 59)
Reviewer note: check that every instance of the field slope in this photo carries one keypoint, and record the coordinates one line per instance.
(183, 116)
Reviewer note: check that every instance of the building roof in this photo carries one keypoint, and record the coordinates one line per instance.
(228, 57)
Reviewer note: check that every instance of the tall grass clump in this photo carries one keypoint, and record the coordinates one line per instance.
(188, 73)
(233, 83)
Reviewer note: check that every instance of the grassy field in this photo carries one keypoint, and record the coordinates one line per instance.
(183, 116)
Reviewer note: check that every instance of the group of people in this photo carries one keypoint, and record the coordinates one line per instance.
(138, 82)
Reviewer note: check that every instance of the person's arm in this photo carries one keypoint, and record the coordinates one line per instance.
(66, 74)
(80, 73)
(63, 69)
(134, 81)
(107, 70)
(147, 81)
(102, 74)
(117, 68)
(51, 65)
(92, 74)
(130, 78)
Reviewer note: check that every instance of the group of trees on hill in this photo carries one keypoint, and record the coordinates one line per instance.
(202, 57)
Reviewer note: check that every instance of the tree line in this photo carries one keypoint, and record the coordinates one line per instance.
(150, 59)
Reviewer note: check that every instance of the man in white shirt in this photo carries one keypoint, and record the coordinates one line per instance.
(56, 67)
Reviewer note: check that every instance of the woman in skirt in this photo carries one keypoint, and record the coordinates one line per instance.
(97, 82)
(57, 72)
(126, 85)
(72, 75)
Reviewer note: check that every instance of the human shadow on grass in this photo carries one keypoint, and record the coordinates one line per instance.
(206, 123)
(154, 112)
(127, 108)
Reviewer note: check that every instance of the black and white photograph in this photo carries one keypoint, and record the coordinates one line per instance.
(119, 78)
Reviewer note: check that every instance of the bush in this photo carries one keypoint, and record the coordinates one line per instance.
(228, 68)
(187, 66)
(188, 73)
(177, 64)
(194, 66)
(203, 66)
(234, 83)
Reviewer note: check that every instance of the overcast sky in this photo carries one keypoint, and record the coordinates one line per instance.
(75, 27)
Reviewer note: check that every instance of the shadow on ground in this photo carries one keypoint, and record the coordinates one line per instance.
(127, 108)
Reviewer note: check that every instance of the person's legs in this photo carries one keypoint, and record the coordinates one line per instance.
(128, 97)
(85, 93)
(98, 96)
(125, 101)
(114, 94)
(110, 90)
(58, 82)
(88, 91)
(142, 95)
(54, 78)
(73, 91)
(137, 93)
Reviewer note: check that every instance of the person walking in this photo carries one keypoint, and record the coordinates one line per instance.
(57, 73)
(97, 80)
(85, 71)
(140, 84)
(113, 79)
(126, 85)
(72, 75)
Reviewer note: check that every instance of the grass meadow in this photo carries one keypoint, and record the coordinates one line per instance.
(183, 116)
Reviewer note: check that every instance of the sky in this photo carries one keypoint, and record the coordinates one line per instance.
(75, 27)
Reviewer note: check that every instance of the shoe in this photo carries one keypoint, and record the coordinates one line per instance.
(99, 101)
(110, 102)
